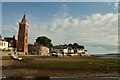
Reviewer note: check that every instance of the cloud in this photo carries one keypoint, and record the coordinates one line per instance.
(9, 30)
(116, 5)
(96, 30)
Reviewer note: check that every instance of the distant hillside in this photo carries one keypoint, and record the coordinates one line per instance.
(113, 54)
(109, 55)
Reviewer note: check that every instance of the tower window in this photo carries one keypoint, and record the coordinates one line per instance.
(26, 34)
(26, 40)
(20, 40)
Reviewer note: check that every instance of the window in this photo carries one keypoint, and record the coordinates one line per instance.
(20, 40)
(26, 40)
(9, 44)
(4, 44)
(26, 34)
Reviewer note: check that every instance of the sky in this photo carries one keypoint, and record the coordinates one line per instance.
(0, 17)
(92, 24)
(60, 0)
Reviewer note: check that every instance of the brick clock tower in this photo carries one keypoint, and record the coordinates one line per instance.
(22, 44)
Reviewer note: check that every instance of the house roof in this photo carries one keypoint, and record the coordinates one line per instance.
(8, 39)
(59, 47)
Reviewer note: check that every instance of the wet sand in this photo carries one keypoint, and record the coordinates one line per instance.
(12, 68)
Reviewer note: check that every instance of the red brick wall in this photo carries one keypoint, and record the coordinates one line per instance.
(22, 44)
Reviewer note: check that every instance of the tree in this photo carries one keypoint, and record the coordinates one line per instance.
(71, 45)
(81, 47)
(45, 41)
(65, 45)
(75, 45)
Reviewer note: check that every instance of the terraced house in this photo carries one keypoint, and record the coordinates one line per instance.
(7, 43)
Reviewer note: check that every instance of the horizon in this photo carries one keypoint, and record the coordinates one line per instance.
(65, 22)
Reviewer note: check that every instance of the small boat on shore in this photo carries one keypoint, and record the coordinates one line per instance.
(15, 57)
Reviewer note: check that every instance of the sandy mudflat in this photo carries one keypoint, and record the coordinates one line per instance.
(59, 67)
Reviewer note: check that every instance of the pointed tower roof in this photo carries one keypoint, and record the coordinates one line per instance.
(24, 19)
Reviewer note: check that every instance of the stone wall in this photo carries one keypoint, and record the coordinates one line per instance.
(38, 49)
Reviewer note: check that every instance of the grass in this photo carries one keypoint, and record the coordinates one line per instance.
(65, 63)
(68, 65)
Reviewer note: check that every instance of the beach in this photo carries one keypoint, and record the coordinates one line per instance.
(76, 66)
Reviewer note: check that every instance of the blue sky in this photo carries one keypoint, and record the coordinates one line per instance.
(60, 0)
(0, 17)
(39, 11)
(87, 23)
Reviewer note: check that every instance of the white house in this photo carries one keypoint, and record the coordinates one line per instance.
(59, 50)
(64, 50)
(3, 44)
(82, 52)
(69, 51)
(7, 43)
